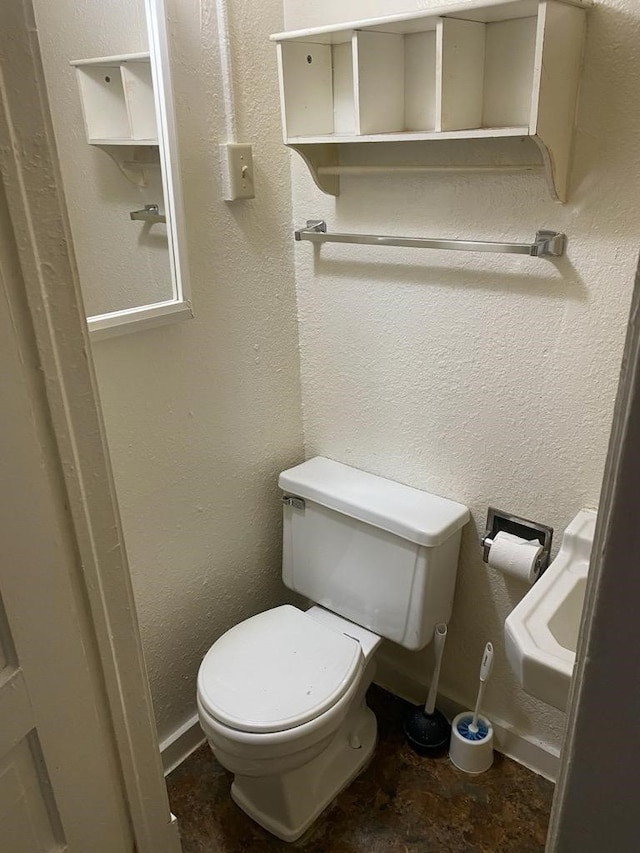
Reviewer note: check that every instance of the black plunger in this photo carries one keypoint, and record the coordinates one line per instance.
(427, 730)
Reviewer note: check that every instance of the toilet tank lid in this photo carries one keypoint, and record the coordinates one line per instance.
(415, 515)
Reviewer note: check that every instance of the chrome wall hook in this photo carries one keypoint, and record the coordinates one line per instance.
(150, 213)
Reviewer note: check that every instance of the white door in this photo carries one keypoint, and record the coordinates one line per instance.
(80, 768)
(60, 784)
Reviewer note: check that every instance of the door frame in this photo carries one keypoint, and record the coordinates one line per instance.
(605, 659)
(30, 173)
(594, 804)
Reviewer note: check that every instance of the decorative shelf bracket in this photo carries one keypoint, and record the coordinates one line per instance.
(547, 244)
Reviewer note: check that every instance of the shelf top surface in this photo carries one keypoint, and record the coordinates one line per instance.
(483, 11)
(98, 140)
(411, 135)
(112, 60)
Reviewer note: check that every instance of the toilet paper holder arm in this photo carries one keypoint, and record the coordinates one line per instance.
(498, 520)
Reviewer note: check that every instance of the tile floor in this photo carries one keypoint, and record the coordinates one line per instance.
(401, 804)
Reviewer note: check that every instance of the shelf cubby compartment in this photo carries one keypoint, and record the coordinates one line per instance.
(316, 88)
(360, 84)
(117, 99)
(486, 73)
(395, 81)
(477, 70)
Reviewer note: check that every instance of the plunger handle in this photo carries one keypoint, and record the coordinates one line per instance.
(439, 637)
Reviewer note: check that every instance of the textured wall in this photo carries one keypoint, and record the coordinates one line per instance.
(487, 379)
(202, 415)
(121, 263)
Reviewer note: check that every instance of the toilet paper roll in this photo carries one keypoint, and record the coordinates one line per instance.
(515, 557)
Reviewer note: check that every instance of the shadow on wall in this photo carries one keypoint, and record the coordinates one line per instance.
(562, 281)
(609, 85)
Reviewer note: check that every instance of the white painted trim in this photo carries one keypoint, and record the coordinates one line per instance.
(540, 757)
(38, 214)
(594, 805)
(168, 148)
(181, 743)
(48, 659)
(179, 307)
(137, 319)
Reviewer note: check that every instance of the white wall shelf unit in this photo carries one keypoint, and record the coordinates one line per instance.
(117, 99)
(478, 70)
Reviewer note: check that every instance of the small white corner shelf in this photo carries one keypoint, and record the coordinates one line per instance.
(477, 70)
(118, 99)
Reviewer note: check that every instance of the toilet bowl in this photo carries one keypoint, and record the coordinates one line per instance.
(281, 696)
(296, 730)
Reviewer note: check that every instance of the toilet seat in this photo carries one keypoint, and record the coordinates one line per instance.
(276, 671)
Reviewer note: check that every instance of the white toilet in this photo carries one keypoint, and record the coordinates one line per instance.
(281, 695)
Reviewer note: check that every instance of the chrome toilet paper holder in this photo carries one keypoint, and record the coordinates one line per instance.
(498, 520)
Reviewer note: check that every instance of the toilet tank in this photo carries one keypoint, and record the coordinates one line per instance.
(379, 553)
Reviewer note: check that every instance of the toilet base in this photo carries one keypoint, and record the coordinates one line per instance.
(287, 804)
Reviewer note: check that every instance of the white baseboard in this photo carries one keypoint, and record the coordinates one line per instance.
(181, 743)
(538, 756)
(534, 754)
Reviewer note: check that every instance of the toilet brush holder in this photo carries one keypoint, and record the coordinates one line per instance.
(468, 750)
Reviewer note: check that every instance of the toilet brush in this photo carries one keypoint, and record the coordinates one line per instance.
(476, 729)
(471, 747)
(427, 730)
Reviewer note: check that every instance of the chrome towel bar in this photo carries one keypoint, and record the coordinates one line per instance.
(546, 244)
